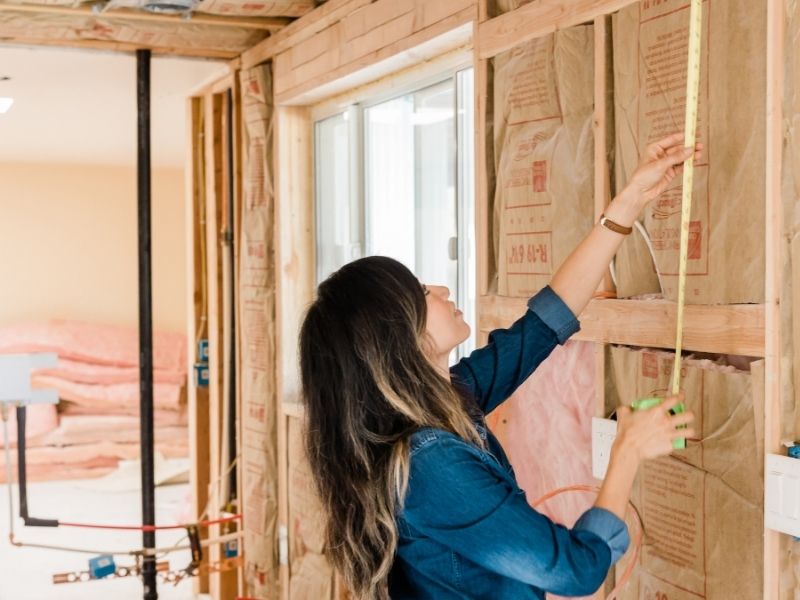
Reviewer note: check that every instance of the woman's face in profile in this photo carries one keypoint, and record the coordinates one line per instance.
(445, 325)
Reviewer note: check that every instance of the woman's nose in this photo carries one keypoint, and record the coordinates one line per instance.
(441, 291)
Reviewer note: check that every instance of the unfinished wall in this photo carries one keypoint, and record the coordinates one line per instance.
(726, 248)
(68, 238)
(256, 296)
(702, 508)
(544, 142)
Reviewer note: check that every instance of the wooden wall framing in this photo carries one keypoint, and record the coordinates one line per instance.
(750, 330)
(211, 281)
(347, 43)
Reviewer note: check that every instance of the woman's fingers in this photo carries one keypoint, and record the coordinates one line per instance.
(683, 433)
(683, 418)
(676, 156)
(671, 402)
(657, 149)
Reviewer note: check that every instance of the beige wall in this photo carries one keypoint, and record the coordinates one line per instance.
(68, 244)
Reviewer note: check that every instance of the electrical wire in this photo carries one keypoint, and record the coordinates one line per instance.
(637, 543)
(612, 266)
(151, 527)
(157, 552)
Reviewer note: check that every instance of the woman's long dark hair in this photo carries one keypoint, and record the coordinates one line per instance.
(368, 384)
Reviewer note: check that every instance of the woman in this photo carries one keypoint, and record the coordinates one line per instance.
(420, 498)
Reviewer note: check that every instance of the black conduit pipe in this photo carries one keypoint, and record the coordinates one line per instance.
(22, 475)
(145, 320)
(232, 241)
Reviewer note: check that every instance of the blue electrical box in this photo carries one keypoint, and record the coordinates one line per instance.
(201, 374)
(794, 451)
(202, 351)
(102, 566)
(232, 549)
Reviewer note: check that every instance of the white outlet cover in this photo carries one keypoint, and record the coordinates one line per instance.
(782, 494)
(604, 432)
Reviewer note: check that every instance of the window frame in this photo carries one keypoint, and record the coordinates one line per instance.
(355, 104)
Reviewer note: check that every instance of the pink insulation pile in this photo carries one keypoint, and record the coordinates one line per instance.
(96, 424)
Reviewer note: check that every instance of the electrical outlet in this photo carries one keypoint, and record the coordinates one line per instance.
(604, 432)
(782, 494)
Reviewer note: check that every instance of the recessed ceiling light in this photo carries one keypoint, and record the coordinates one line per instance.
(5, 104)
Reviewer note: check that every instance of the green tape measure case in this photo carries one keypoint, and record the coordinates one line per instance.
(648, 403)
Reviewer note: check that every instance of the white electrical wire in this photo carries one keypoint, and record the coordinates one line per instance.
(643, 232)
(612, 268)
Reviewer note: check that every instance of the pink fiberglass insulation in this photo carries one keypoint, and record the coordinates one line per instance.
(162, 418)
(92, 343)
(545, 428)
(102, 398)
(84, 372)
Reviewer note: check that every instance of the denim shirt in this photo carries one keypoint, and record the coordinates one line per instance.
(465, 527)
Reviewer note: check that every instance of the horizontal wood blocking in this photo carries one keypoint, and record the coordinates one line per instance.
(734, 329)
(538, 19)
(355, 38)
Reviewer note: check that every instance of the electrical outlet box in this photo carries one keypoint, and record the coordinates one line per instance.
(604, 432)
(202, 351)
(782, 494)
(201, 374)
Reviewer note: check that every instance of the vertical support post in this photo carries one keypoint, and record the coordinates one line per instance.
(774, 240)
(232, 240)
(197, 324)
(483, 241)
(602, 186)
(602, 196)
(145, 319)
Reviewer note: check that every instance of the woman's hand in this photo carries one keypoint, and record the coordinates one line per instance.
(661, 163)
(649, 433)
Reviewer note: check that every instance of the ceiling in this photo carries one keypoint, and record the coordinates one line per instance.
(77, 106)
(210, 28)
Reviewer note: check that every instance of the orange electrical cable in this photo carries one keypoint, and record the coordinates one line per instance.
(636, 546)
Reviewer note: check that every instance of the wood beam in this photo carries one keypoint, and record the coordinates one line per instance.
(776, 21)
(450, 34)
(300, 30)
(537, 19)
(729, 329)
(265, 23)
(122, 47)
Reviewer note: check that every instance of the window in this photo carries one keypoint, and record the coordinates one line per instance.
(395, 178)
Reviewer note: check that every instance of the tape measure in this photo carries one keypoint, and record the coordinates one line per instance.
(690, 138)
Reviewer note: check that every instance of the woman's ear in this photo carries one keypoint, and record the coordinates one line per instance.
(428, 346)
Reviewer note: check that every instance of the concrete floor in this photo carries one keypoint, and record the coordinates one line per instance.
(26, 573)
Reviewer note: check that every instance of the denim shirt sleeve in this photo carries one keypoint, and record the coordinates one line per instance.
(456, 499)
(492, 373)
(607, 526)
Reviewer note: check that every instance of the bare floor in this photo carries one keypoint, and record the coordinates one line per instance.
(27, 573)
